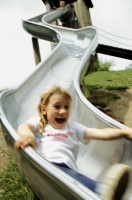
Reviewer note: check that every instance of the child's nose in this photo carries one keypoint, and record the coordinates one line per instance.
(62, 110)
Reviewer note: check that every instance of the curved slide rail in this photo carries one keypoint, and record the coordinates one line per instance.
(65, 66)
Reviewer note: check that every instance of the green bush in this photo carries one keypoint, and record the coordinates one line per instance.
(102, 65)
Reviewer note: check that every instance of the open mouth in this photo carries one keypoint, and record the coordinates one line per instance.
(60, 120)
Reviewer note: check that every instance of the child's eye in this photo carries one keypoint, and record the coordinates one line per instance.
(66, 107)
(57, 107)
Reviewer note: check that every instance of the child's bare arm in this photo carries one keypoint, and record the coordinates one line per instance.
(107, 133)
(27, 137)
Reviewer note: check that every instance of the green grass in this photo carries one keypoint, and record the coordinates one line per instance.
(110, 80)
(13, 185)
(99, 85)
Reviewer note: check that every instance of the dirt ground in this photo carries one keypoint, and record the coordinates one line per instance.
(120, 110)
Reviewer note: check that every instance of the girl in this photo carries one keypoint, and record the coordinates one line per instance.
(58, 140)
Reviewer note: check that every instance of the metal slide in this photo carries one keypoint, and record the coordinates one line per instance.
(65, 66)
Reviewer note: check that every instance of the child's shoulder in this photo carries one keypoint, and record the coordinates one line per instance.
(76, 125)
(33, 119)
(36, 117)
(73, 124)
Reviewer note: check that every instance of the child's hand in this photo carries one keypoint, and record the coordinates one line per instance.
(129, 132)
(27, 138)
(24, 141)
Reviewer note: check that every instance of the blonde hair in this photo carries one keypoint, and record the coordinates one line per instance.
(44, 100)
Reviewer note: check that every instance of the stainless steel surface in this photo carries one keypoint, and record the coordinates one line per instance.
(65, 66)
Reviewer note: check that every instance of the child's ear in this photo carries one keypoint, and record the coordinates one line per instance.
(43, 109)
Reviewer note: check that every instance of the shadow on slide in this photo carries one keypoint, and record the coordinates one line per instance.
(65, 66)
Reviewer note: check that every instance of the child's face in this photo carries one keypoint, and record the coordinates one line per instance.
(57, 111)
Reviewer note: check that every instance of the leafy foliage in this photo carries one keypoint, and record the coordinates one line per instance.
(102, 65)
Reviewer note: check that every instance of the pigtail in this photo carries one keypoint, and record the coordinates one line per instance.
(43, 120)
(42, 123)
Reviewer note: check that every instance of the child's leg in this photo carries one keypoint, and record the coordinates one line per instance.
(115, 182)
(89, 183)
(113, 186)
